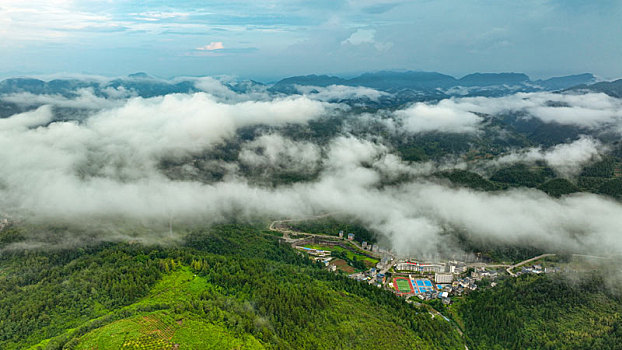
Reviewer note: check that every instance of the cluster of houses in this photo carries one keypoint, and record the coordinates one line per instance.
(447, 278)
(537, 269)
(480, 273)
(371, 247)
(367, 246)
(428, 280)
(371, 276)
(436, 294)
(319, 255)
(448, 285)
(408, 265)
(441, 280)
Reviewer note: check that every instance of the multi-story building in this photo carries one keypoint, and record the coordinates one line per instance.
(443, 278)
(407, 266)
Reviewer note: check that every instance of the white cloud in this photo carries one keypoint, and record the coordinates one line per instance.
(273, 151)
(340, 92)
(442, 117)
(218, 89)
(591, 110)
(86, 99)
(40, 20)
(160, 15)
(361, 36)
(107, 167)
(366, 36)
(23, 121)
(214, 45)
(566, 159)
(128, 141)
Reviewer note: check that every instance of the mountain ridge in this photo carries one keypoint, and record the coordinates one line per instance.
(406, 85)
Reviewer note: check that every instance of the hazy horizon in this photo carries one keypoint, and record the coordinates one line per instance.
(270, 40)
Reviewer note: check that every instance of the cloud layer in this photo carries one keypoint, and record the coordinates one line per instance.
(445, 116)
(567, 159)
(109, 165)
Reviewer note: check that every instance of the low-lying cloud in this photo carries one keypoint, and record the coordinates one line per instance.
(109, 165)
(444, 116)
(272, 151)
(333, 93)
(591, 110)
(567, 159)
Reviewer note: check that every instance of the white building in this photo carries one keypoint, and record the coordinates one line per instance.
(443, 278)
(407, 266)
(431, 267)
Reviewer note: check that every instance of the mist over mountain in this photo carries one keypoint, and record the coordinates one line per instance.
(493, 79)
(611, 88)
(384, 89)
(97, 148)
(476, 84)
(344, 174)
(559, 83)
(150, 205)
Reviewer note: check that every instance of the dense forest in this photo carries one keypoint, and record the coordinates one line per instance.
(236, 286)
(599, 178)
(543, 312)
(231, 286)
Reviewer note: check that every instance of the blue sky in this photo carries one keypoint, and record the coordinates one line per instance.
(269, 39)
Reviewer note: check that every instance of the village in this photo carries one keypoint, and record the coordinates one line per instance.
(408, 277)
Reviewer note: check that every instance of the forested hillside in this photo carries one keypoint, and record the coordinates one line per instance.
(228, 287)
(543, 312)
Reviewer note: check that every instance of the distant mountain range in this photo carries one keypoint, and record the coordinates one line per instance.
(476, 84)
(402, 87)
